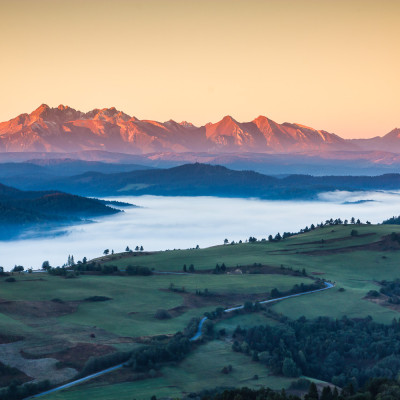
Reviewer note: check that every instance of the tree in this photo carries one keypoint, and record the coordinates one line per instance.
(278, 236)
(275, 293)
(137, 248)
(312, 392)
(184, 268)
(326, 393)
(18, 268)
(46, 265)
(353, 220)
(353, 232)
(226, 241)
(84, 260)
(191, 268)
(162, 314)
(127, 248)
(106, 251)
(72, 260)
(289, 368)
(270, 238)
(197, 247)
(141, 248)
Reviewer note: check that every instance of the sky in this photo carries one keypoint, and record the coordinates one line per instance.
(329, 64)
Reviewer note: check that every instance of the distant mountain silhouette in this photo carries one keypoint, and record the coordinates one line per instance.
(210, 180)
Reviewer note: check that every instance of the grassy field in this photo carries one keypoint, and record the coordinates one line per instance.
(134, 299)
(193, 374)
(355, 263)
(330, 253)
(288, 252)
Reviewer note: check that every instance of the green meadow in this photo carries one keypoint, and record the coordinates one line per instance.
(354, 262)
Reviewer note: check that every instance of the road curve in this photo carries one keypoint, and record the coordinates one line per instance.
(198, 333)
(195, 337)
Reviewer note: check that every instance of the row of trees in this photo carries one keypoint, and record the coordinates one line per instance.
(328, 222)
(375, 389)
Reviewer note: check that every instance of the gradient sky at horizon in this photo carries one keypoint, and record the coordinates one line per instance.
(329, 64)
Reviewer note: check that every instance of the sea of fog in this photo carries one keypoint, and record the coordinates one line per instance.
(183, 222)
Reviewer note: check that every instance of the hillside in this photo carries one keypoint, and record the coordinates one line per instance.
(20, 210)
(56, 322)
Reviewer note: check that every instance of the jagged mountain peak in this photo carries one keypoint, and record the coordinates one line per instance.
(395, 133)
(187, 124)
(41, 109)
(108, 114)
(228, 119)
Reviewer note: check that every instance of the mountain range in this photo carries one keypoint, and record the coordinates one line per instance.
(64, 129)
(205, 180)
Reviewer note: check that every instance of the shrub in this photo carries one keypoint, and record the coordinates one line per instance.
(162, 314)
(136, 270)
(57, 300)
(98, 298)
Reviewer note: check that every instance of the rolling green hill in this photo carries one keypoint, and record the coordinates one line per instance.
(45, 317)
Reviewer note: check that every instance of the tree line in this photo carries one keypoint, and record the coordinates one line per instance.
(340, 351)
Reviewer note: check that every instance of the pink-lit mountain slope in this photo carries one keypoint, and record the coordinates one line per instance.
(64, 129)
(390, 142)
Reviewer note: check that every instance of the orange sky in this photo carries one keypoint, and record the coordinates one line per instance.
(329, 64)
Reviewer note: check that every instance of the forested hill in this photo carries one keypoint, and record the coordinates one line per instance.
(19, 207)
(207, 180)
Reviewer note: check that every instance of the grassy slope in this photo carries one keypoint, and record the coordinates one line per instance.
(355, 271)
(194, 374)
(135, 299)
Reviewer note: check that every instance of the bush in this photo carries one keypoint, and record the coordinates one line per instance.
(95, 364)
(162, 314)
(300, 384)
(57, 300)
(136, 270)
(98, 298)
(10, 279)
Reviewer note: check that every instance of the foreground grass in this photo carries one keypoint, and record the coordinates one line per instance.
(200, 370)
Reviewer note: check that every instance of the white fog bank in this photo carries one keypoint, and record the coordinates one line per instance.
(184, 222)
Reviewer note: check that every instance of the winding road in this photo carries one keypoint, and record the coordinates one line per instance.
(194, 338)
(227, 310)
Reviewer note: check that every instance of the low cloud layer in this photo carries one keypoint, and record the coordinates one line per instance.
(183, 222)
